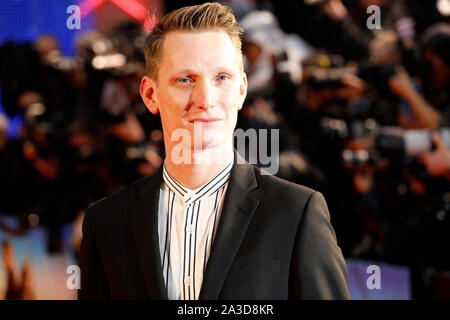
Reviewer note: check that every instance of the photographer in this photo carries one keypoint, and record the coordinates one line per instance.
(424, 115)
(433, 114)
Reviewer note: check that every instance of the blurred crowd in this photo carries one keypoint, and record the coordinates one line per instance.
(363, 114)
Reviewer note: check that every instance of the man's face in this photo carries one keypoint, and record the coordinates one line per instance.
(200, 83)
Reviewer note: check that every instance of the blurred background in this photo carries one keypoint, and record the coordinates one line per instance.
(362, 103)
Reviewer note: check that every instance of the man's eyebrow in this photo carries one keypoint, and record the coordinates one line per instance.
(192, 72)
(174, 76)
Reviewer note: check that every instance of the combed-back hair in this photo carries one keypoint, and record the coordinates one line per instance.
(207, 16)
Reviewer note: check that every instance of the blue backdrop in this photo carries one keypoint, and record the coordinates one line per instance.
(22, 21)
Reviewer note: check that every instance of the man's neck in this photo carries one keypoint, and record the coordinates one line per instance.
(197, 172)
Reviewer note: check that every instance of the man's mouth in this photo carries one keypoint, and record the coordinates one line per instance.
(205, 120)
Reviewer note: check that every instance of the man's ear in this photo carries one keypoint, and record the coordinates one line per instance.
(148, 86)
(242, 90)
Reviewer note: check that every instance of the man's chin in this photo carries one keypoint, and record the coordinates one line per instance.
(211, 152)
(204, 152)
(207, 145)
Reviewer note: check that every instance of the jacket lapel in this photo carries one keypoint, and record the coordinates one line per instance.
(237, 213)
(144, 231)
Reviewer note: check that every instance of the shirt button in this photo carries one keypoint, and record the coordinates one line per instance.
(188, 281)
(189, 228)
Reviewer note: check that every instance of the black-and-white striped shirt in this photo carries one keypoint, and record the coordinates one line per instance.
(187, 223)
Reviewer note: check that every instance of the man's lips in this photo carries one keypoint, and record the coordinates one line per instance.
(205, 120)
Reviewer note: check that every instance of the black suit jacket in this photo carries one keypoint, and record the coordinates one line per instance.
(274, 241)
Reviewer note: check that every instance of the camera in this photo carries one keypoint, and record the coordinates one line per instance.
(390, 142)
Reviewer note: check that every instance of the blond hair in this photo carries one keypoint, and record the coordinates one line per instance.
(208, 16)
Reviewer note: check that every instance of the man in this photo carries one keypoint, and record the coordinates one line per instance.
(204, 226)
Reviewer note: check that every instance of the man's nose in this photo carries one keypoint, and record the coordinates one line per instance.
(203, 95)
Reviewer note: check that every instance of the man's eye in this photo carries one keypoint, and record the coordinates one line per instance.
(223, 77)
(184, 80)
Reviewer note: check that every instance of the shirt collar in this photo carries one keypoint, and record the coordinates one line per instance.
(189, 195)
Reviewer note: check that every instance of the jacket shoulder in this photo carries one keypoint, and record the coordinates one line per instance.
(281, 188)
(118, 199)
